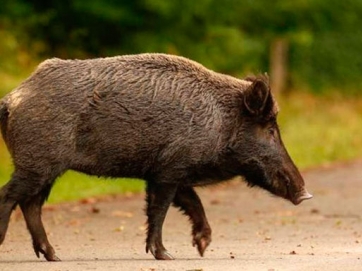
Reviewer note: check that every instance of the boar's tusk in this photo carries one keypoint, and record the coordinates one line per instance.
(303, 196)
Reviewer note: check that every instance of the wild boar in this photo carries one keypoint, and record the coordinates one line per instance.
(162, 118)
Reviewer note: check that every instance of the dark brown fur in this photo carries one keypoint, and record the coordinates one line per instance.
(162, 118)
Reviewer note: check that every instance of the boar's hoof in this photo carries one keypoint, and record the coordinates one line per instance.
(159, 254)
(202, 242)
(48, 253)
(52, 258)
(163, 255)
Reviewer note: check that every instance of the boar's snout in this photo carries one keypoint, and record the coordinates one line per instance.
(296, 191)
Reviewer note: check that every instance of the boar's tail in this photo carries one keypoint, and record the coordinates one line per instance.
(4, 113)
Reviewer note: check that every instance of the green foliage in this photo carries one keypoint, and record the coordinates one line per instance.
(230, 36)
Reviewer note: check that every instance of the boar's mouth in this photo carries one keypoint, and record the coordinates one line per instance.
(286, 184)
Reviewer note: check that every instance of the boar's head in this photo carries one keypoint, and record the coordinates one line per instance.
(259, 150)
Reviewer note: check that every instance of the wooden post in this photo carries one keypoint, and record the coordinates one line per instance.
(279, 65)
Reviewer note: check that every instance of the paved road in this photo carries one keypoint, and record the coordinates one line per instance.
(251, 231)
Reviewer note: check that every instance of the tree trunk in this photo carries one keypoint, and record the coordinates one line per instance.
(279, 65)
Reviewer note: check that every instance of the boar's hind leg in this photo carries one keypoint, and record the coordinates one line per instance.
(31, 209)
(159, 198)
(7, 205)
(29, 190)
(189, 202)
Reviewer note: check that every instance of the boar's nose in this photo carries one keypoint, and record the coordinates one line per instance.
(304, 195)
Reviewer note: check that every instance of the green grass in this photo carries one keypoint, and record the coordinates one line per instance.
(73, 185)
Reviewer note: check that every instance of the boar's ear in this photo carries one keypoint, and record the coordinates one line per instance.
(256, 97)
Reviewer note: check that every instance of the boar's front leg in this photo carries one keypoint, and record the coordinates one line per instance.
(189, 202)
(159, 198)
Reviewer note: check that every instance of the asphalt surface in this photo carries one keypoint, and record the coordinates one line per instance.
(251, 230)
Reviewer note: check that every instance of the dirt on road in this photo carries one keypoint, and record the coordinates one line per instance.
(251, 230)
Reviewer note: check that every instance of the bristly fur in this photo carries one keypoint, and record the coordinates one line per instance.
(162, 118)
(4, 113)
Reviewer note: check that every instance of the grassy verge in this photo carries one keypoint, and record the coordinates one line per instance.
(73, 185)
(321, 130)
(316, 130)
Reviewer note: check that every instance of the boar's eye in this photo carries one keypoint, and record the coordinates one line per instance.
(271, 131)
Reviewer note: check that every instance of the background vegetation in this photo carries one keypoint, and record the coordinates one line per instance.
(322, 103)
